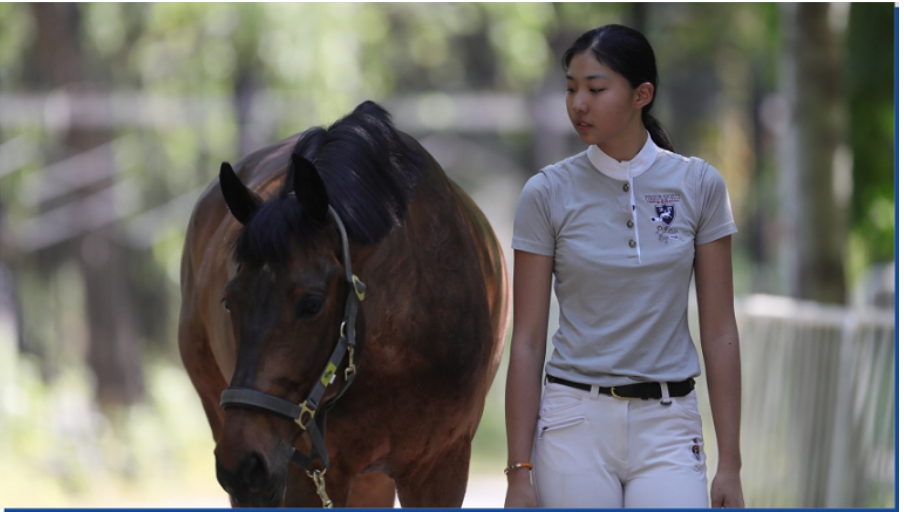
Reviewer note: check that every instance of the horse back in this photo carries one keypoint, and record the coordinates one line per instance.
(463, 263)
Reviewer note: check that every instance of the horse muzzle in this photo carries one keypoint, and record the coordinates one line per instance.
(254, 483)
(251, 466)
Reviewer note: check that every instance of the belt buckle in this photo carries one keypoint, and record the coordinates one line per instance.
(615, 395)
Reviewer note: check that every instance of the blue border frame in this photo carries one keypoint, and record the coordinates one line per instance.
(897, 258)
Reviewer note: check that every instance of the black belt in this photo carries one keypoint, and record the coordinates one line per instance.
(642, 390)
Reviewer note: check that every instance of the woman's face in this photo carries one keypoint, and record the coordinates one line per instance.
(604, 109)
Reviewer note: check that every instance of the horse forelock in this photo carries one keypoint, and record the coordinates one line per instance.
(369, 174)
(268, 235)
(368, 171)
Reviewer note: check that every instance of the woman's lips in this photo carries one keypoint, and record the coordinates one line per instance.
(582, 126)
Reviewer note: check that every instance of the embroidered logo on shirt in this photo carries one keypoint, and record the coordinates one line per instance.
(662, 198)
(666, 208)
(664, 213)
(666, 233)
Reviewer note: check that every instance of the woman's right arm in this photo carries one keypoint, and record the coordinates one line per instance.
(532, 286)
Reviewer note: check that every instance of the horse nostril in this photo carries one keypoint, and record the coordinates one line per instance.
(254, 471)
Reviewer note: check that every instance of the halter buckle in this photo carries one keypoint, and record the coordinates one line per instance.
(305, 408)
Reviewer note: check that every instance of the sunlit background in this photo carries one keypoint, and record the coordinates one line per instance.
(114, 117)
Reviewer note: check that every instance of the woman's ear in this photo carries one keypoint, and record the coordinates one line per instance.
(643, 95)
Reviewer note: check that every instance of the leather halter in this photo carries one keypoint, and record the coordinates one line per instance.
(310, 415)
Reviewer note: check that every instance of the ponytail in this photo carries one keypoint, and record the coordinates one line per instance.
(657, 132)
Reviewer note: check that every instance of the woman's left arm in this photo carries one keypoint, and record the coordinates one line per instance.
(721, 355)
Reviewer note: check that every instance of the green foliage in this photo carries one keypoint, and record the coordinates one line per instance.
(16, 31)
(871, 127)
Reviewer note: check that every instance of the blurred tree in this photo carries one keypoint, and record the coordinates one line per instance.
(114, 354)
(815, 229)
(870, 83)
(814, 211)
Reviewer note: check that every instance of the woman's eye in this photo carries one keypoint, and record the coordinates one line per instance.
(307, 307)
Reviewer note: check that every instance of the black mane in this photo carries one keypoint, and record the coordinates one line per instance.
(369, 174)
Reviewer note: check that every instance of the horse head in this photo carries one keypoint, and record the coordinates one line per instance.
(286, 303)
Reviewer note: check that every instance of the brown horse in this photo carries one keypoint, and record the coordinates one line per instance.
(272, 271)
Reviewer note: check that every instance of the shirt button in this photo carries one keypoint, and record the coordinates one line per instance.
(632, 243)
(625, 187)
(630, 223)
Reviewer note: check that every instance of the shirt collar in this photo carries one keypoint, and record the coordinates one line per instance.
(611, 167)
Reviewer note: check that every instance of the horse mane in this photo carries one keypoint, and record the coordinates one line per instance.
(369, 174)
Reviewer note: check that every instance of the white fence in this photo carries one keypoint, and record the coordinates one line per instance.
(818, 412)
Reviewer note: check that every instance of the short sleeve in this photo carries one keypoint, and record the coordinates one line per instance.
(533, 231)
(716, 219)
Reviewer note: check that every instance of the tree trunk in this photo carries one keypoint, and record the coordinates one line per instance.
(814, 219)
(815, 225)
(114, 354)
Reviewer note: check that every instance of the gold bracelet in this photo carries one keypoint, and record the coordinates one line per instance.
(527, 465)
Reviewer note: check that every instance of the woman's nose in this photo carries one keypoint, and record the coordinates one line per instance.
(579, 106)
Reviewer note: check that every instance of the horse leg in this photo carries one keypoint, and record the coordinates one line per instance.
(442, 483)
(372, 490)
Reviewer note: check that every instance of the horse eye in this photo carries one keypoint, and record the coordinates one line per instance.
(308, 306)
(225, 303)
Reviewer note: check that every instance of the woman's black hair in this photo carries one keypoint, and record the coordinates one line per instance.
(627, 52)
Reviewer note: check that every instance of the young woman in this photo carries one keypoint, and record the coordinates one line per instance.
(621, 227)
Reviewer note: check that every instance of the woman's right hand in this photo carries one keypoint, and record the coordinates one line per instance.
(520, 492)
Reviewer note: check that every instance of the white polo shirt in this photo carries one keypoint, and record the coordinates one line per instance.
(623, 236)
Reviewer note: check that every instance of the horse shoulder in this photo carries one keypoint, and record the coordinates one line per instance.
(495, 272)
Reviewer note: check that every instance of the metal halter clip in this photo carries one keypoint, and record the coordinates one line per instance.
(320, 482)
(305, 408)
(351, 362)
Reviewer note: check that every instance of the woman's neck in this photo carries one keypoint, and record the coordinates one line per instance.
(627, 146)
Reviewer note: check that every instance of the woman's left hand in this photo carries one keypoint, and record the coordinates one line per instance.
(726, 490)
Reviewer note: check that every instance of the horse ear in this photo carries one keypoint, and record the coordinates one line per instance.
(309, 188)
(242, 203)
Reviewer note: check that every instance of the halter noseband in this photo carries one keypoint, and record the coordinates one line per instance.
(309, 415)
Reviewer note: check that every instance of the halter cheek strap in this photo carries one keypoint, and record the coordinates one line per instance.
(309, 414)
